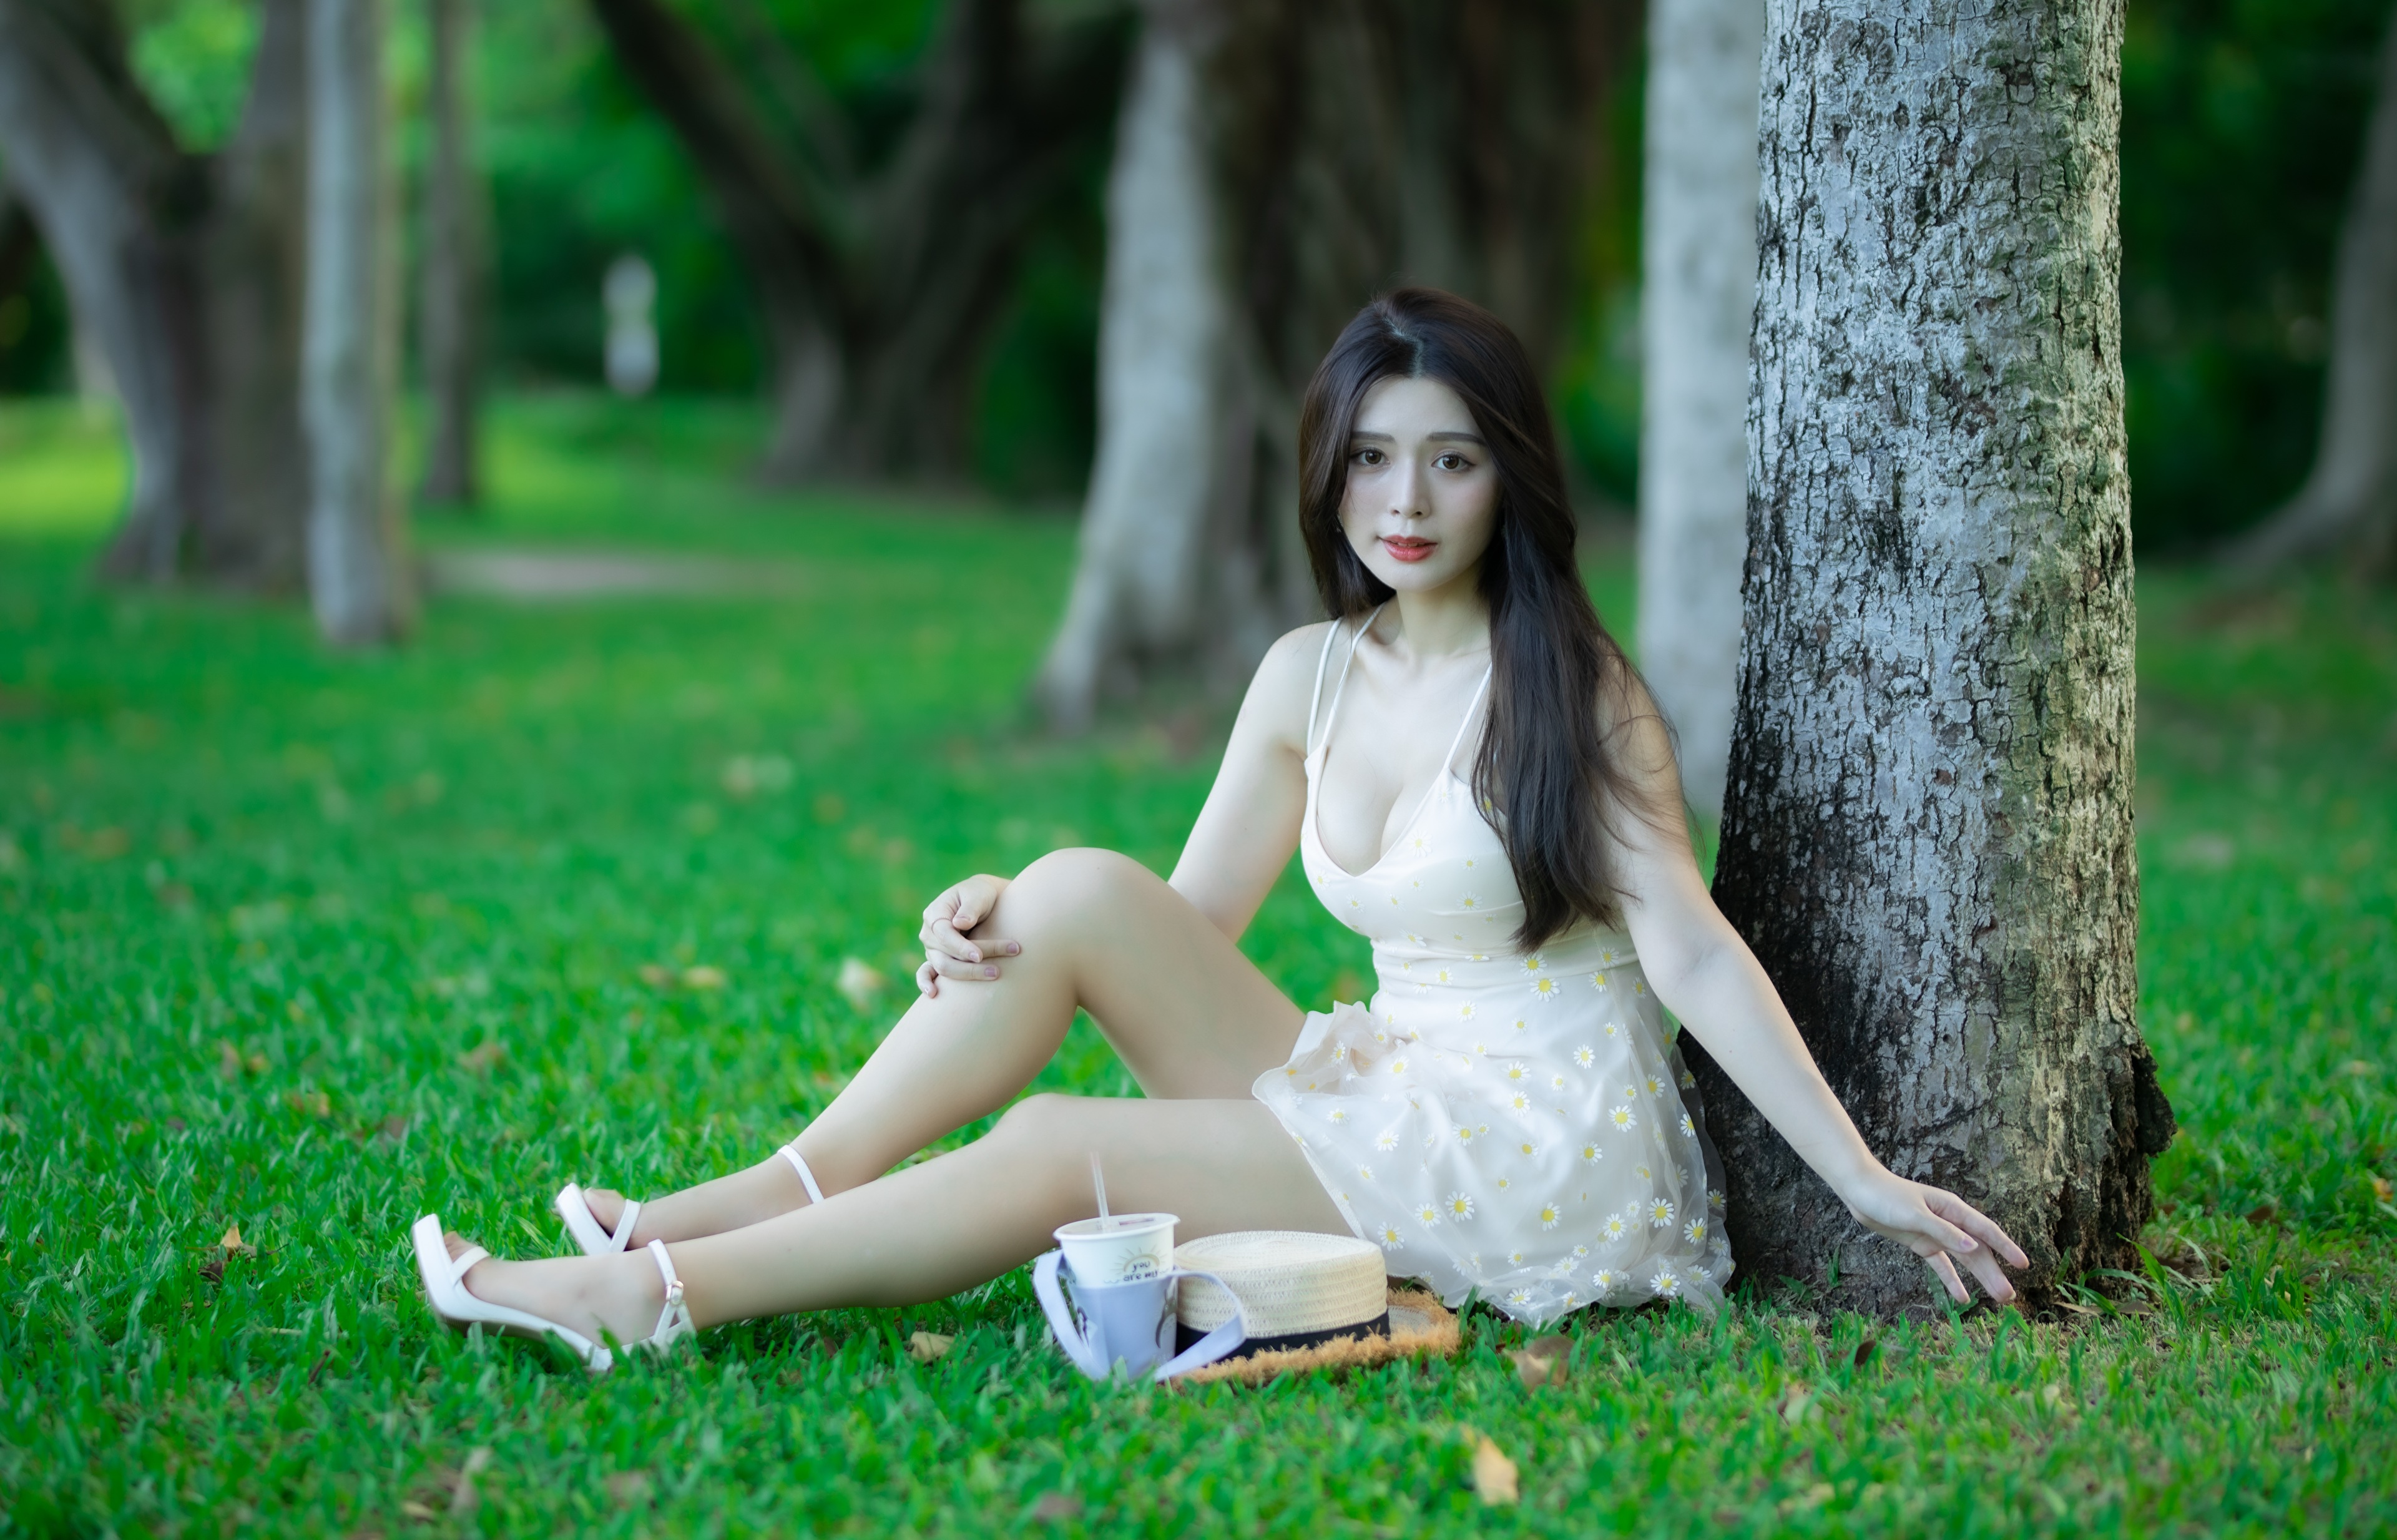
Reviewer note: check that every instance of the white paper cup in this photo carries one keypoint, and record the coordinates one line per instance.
(1121, 1249)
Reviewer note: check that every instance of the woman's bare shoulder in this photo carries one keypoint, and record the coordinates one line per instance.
(1284, 682)
(1637, 735)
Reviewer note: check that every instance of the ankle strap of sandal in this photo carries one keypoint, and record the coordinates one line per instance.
(807, 1178)
(675, 1320)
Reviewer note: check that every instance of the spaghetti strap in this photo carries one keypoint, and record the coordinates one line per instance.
(1315, 702)
(1340, 687)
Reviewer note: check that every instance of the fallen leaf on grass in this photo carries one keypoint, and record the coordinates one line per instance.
(483, 1057)
(1494, 1474)
(858, 983)
(657, 976)
(235, 1245)
(929, 1347)
(230, 1063)
(1545, 1361)
(394, 1128)
(1864, 1352)
(1055, 1505)
(309, 1103)
(2358, 1067)
(2382, 1190)
(1794, 1404)
(421, 1512)
(629, 1489)
(703, 977)
(2262, 1213)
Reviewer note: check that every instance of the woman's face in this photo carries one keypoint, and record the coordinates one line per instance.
(1423, 490)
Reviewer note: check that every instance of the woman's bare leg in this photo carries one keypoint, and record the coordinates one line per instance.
(950, 1223)
(1190, 1015)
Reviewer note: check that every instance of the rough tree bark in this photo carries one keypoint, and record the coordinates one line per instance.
(878, 287)
(1697, 299)
(1928, 836)
(1346, 147)
(2348, 503)
(184, 269)
(448, 306)
(355, 577)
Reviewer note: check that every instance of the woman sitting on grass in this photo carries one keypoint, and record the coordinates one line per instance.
(1474, 779)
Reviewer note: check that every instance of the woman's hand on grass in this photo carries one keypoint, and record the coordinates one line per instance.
(1941, 1228)
(948, 951)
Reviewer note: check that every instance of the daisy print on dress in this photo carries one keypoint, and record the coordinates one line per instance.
(1460, 1205)
(1623, 1118)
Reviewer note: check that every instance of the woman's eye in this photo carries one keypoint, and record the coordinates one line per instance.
(1452, 462)
(1369, 457)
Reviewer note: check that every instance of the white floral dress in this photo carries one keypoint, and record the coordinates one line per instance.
(1505, 1124)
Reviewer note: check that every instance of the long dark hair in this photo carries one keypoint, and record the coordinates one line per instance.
(1560, 689)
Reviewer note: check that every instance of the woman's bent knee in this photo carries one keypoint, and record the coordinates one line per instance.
(1066, 884)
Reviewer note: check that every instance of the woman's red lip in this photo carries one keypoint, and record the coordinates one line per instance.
(1407, 548)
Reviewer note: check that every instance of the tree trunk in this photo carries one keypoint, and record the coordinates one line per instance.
(878, 290)
(1163, 378)
(1697, 300)
(1345, 148)
(2348, 503)
(451, 268)
(183, 271)
(355, 573)
(1927, 839)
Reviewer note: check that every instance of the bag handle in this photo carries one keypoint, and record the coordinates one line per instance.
(1061, 1320)
(1215, 1344)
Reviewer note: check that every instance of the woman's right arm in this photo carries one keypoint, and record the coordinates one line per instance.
(1245, 833)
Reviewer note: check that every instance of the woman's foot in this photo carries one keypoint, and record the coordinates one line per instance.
(747, 1197)
(598, 1296)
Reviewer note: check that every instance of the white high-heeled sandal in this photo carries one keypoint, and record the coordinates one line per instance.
(585, 1227)
(445, 1289)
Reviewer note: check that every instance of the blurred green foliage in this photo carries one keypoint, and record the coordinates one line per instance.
(2241, 123)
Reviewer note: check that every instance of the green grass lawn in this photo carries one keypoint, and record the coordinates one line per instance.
(307, 944)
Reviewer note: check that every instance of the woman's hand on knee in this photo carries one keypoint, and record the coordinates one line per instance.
(949, 951)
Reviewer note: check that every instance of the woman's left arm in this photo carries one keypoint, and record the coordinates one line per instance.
(1705, 975)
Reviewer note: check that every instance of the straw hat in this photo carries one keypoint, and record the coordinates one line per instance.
(1308, 1301)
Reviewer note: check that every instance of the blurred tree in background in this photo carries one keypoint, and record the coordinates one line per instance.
(2241, 126)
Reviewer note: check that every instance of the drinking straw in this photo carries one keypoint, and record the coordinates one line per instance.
(1100, 1182)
